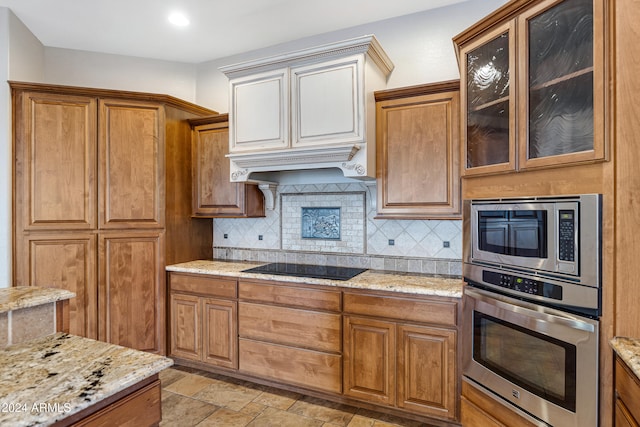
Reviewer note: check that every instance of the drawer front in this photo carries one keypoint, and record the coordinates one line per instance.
(318, 299)
(438, 312)
(290, 326)
(305, 368)
(628, 388)
(204, 285)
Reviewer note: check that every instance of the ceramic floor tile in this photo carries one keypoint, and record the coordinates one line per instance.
(227, 418)
(229, 395)
(253, 408)
(277, 399)
(361, 421)
(189, 384)
(272, 417)
(386, 420)
(181, 411)
(319, 409)
(170, 376)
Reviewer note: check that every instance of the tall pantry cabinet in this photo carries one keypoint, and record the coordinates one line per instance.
(102, 203)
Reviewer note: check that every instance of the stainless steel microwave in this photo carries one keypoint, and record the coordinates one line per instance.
(542, 248)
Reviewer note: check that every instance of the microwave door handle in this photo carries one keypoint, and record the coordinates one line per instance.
(531, 310)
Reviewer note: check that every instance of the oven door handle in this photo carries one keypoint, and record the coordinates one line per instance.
(531, 310)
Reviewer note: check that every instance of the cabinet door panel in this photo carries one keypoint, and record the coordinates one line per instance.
(67, 261)
(131, 165)
(488, 102)
(220, 331)
(185, 326)
(56, 167)
(418, 148)
(369, 359)
(214, 195)
(131, 289)
(259, 116)
(562, 79)
(427, 370)
(327, 105)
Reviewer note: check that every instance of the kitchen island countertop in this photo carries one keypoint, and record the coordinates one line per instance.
(18, 297)
(370, 279)
(629, 351)
(48, 379)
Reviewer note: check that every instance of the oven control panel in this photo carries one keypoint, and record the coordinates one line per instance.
(523, 284)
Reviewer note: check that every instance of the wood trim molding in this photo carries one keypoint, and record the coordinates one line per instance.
(207, 120)
(418, 90)
(110, 93)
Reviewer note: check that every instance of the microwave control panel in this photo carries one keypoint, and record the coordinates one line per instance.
(566, 235)
(522, 284)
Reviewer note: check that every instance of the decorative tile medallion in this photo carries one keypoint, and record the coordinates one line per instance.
(321, 223)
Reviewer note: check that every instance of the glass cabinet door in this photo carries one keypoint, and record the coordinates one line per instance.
(558, 80)
(487, 91)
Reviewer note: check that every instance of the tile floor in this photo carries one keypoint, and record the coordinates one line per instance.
(196, 398)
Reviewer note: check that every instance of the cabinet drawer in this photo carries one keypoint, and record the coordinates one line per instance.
(319, 299)
(306, 368)
(628, 388)
(290, 326)
(439, 312)
(205, 285)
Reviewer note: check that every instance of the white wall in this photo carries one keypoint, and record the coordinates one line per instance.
(419, 45)
(21, 58)
(99, 70)
(5, 153)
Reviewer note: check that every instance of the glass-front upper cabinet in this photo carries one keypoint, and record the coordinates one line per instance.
(488, 93)
(534, 86)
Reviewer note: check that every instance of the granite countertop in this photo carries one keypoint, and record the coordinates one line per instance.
(19, 297)
(629, 351)
(370, 279)
(51, 378)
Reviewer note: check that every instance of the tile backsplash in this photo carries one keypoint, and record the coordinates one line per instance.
(416, 246)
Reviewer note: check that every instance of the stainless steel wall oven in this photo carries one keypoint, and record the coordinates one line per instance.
(531, 305)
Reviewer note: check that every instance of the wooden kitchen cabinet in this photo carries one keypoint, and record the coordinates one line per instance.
(67, 260)
(130, 164)
(214, 195)
(102, 186)
(391, 358)
(627, 392)
(418, 152)
(284, 337)
(540, 65)
(203, 319)
(259, 118)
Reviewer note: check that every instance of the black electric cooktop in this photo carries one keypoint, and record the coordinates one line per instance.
(307, 270)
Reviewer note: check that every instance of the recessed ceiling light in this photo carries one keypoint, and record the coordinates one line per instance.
(178, 19)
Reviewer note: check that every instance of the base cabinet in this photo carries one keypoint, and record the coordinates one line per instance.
(394, 363)
(394, 352)
(203, 320)
(627, 410)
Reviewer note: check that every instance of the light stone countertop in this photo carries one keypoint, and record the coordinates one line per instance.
(19, 297)
(371, 279)
(51, 378)
(629, 351)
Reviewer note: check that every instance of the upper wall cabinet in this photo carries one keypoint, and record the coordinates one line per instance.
(533, 86)
(308, 109)
(419, 152)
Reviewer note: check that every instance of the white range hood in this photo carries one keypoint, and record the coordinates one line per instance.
(309, 109)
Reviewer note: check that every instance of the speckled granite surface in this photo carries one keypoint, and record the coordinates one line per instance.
(372, 279)
(48, 379)
(629, 351)
(29, 296)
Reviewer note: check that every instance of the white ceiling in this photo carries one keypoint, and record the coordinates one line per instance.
(218, 28)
